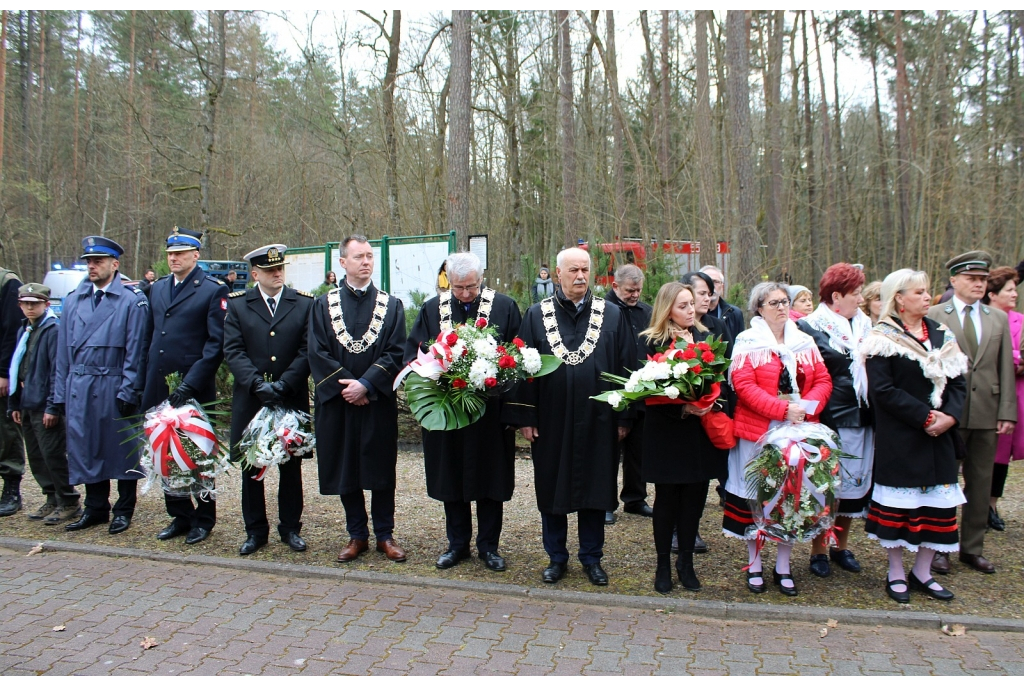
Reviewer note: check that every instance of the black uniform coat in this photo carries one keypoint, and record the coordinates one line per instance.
(357, 447)
(906, 456)
(676, 448)
(843, 409)
(478, 461)
(188, 336)
(258, 345)
(576, 455)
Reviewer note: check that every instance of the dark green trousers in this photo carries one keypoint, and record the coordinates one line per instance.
(12, 450)
(48, 457)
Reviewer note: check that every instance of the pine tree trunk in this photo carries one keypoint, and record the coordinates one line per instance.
(570, 203)
(390, 139)
(460, 123)
(744, 236)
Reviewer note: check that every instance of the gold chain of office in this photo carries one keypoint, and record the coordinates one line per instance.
(558, 348)
(353, 345)
(482, 312)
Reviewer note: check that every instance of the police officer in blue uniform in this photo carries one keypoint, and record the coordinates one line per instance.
(101, 362)
(188, 338)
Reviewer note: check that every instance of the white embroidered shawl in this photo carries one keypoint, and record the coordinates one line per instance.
(757, 344)
(845, 336)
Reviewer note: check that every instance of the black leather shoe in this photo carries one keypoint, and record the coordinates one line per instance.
(196, 535)
(451, 557)
(173, 530)
(119, 524)
(820, 566)
(901, 596)
(609, 518)
(596, 574)
(756, 588)
(493, 561)
(699, 546)
(777, 578)
(87, 521)
(930, 588)
(292, 539)
(640, 508)
(251, 544)
(995, 521)
(554, 572)
(845, 559)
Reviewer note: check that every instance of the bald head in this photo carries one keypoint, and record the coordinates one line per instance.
(573, 272)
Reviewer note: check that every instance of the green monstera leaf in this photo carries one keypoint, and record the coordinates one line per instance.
(439, 409)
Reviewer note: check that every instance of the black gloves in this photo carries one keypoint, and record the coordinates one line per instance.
(126, 409)
(281, 388)
(266, 392)
(182, 395)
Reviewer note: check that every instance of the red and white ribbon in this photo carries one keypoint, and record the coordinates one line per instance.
(164, 432)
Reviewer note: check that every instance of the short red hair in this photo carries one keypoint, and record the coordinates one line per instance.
(839, 278)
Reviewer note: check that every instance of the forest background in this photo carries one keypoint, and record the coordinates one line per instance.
(735, 126)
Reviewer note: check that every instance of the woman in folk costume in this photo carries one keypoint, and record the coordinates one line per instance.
(774, 366)
(838, 327)
(916, 387)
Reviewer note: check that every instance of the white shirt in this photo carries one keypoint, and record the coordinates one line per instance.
(275, 298)
(975, 314)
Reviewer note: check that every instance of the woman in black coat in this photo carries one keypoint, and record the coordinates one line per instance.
(678, 457)
(916, 387)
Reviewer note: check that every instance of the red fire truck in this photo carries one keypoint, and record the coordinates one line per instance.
(681, 256)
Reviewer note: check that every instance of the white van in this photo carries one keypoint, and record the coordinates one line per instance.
(61, 283)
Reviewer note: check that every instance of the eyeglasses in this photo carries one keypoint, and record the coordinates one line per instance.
(466, 288)
(777, 304)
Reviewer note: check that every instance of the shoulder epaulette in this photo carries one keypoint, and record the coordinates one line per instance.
(136, 290)
(237, 293)
(304, 294)
(215, 280)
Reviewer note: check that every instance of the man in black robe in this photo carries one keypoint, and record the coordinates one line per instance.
(356, 341)
(475, 463)
(574, 438)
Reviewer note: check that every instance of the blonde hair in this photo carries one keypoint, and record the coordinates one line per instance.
(660, 330)
(872, 291)
(896, 283)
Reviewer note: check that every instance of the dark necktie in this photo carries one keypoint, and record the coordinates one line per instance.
(175, 288)
(273, 305)
(970, 332)
(97, 298)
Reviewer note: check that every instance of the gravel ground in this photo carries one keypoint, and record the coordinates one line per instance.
(629, 554)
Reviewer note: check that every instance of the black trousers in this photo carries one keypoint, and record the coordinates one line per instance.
(97, 498)
(591, 532)
(634, 489)
(46, 449)
(202, 514)
(382, 510)
(678, 506)
(12, 450)
(458, 522)
(999, 473)
(289, 501)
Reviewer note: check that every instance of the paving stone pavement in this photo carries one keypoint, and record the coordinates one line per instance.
(209, 621)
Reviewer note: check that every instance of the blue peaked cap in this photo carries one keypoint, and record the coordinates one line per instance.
(98, 246)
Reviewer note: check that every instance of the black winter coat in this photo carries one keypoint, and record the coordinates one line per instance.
(906, 456)
(843, 410)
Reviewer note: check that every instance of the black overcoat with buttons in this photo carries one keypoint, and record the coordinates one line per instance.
(258, 345)
(188, 336)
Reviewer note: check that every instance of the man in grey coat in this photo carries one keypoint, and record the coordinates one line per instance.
(101, 359)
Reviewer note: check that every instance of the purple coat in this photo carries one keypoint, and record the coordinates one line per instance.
(1012, 446)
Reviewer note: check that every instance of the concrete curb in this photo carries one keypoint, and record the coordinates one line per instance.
(690, 607)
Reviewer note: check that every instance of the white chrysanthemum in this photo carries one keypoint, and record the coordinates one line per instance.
(614, 399)
(655, 371)
(485, 348)
(458, 348)
(480, 370)
(672, 392)
(809, 471)
(531, 360)
(679, 370)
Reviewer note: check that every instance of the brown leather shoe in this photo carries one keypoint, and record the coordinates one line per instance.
(391, 549)
(977, 562)
(940, 564)
(352, 550)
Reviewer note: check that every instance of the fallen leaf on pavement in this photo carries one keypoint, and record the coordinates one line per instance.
(35, 550)
(59, 629)
(832, 623)
(823, 632)
(148, 643)
(955, 630)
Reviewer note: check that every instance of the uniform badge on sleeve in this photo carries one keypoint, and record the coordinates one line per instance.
(224, 303)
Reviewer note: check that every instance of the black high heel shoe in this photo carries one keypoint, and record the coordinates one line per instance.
(779, 577)
(901, 596)
(756, 589)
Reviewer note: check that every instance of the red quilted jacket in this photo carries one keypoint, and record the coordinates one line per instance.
(758, 391)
